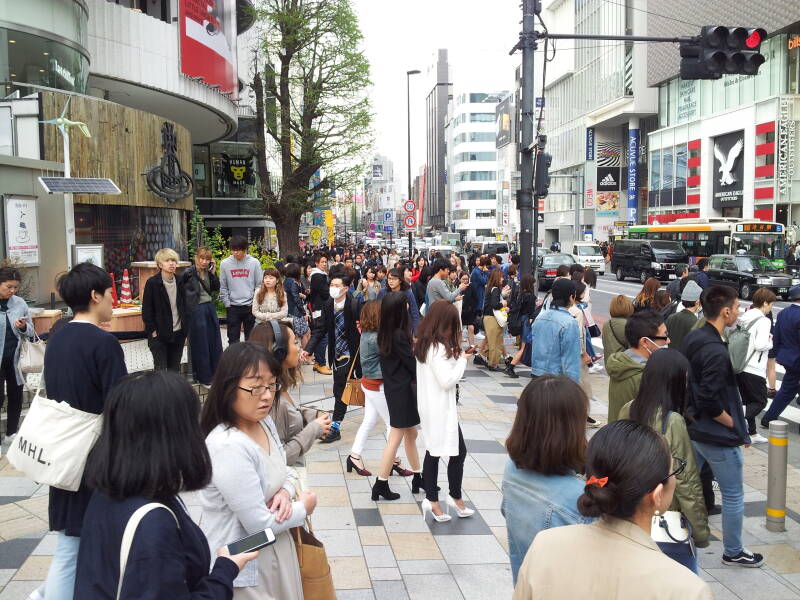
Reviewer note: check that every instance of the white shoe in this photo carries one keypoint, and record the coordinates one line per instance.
(427, 508)
(467, 512)
(595, 369)
(758, 439)
(9, 438)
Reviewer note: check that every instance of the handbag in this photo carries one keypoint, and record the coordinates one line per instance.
(53, 442)
(353, 394)
(672, 532)
(31, 354)
(315, 572)
(130, 531)
(501, 317)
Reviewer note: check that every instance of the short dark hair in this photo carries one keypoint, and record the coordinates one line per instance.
(549, 431)
(644, 323)
(689, 304)
(634, 458)
(76, 286)
(293, 270)
(760, 298)
(516, 259)
(681, 269)
(562, 271)
(238, 242)
(485, 261)
(151, 444)
(319, 257)
(441, 263)
(702, 263)
(238, 360)
(576, 268)
(497, 257)
(9, 274)
(715, 298)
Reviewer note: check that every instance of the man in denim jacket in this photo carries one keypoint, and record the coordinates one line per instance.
(557, 349)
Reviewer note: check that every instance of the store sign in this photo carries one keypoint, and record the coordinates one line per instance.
(239, 172)
(167, 180)
(503, 125)
(728, 175)
(208, 42)
(633, 173)
(608, 179)
(786, 146)
(687, 100)
(22, 231)
(589, 143)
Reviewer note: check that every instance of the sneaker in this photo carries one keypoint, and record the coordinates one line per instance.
(594, 369)
(715, 485)
(508, 359)
(9, 438)
(765, 423)
(745, 558)
(479, 361)
(334, 435)
(590, 422)
(757, 438)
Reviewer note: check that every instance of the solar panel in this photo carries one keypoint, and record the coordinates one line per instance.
(79, 185)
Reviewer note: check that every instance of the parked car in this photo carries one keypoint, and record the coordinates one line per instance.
(647, 258)
(747, 273)
(590, 255)
(547, 265)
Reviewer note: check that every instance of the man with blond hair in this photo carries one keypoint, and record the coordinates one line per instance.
(164, 313)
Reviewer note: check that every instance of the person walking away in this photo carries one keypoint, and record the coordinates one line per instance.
(527, 307)
(170, 555)
(495, 299)
(576, 310)
(399, 374)
(786, 348)
(339, 326)
(546, 447)
(270, 302)
(646, 297)
(613, 334)
(440, 365)
(164, 313)
(674, 286)
(318, 297)
(557, 350)
(719, 428)
(200, 283)
(645, 333)
(682, 322)
(81, 365)
(702, 273)
(298, 427)
(397, 283)
(296, 297)
(17, 322)
(239, 277)
(631, 478)
(661, 404)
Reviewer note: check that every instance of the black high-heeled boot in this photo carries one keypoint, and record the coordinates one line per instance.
(381, 488)
(416, 484)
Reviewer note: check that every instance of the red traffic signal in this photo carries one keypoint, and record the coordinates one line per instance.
(723, 50)
(753, 41)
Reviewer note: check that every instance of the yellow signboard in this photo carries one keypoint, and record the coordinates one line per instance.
(315, 233)
(329, 224)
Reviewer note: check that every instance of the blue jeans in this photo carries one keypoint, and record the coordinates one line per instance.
(789, 388)
(589, 345)
(60, 584)
(726, 462)
(205, 342)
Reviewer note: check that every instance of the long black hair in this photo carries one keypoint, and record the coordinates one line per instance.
(398, 273)
(663, 387)
(151, 444)
(394, 316)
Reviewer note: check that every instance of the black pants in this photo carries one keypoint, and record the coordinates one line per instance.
(706, 479)
(167, 355)
(9, 374)
(238, 317)
(455, 472)
(341, 368)
(753, 390)
(321, 352)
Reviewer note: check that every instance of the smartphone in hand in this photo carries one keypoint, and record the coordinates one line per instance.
(252, 543)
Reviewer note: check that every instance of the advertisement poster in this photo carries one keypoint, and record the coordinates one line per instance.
(22, 231)
(608, 179)
(607, 204)
(208, 42)
(504, 126)
(728, 170)
(329, 225)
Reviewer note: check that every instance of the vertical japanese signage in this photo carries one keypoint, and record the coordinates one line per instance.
(22, 231)
(208, 42)
(633, 174)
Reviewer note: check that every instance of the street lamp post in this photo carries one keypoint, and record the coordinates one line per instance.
(408, 108)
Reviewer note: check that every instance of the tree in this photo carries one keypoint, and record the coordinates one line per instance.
(311, 100)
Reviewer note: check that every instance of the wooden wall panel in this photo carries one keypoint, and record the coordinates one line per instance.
(125, 144)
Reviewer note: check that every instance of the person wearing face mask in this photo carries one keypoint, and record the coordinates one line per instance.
(645, 333)
(340, 324)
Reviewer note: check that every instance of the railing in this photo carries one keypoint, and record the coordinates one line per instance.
(251, 207)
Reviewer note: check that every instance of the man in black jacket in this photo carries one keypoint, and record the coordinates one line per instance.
(339, 324)
(164, 313)
(719, 429)
(318, 297)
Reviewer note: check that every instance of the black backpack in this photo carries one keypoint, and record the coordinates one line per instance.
(515, 317)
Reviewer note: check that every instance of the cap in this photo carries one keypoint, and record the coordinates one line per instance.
(563, 289)
(794, 292)
(691, 292)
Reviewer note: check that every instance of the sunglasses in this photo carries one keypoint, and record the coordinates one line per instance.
(663, 338)
(677, 470)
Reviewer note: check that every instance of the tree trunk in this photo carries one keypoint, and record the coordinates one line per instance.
(288, 226)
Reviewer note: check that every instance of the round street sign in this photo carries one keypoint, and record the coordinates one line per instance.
(410, 206)
(372, 226)
(410, 221)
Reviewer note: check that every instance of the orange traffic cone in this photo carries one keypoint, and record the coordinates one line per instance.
(114, 291)
(125, 293)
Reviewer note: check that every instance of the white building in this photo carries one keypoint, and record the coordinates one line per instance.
(382, 196)
(472, 163)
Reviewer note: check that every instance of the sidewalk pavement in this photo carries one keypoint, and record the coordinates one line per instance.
(387, 550)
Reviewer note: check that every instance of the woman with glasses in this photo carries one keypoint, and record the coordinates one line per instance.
(395, 282)
(631, 478)
(660, 404)
(251, 487)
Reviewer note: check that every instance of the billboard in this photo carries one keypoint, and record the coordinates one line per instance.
(728, 170)
(208, 42)
(504, 125)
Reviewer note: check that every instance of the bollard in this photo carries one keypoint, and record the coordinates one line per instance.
(776, 477)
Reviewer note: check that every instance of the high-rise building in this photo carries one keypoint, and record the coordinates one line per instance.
(434, 214)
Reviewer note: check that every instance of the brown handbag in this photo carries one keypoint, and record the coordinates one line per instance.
(353, 394)
(315, 572)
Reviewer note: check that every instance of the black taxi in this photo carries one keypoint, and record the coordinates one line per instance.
(747, 273)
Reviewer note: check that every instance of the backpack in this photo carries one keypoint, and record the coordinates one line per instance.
(515, 318)
(738, 343)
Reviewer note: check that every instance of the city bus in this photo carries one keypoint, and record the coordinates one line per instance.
(723, 235)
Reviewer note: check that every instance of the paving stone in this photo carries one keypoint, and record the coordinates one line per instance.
(478, 582)
(385, 574)
(422, 567)
(398, 508)
(340, 542)
(501, 533)
(19, 590)
(361, 486)
(349, 573)
(432, 587)
(493, 518)
(368, 516)
(13, 553)
(27, 525)
(373, 535)
(316, 480)
(414, 546)
(34, 569)
(720, 592)
(405, 523)
(471, 549)
(485, 499)
(502, 399)
(355, 595)
(47, 546)
(485, 446)
(10, 499)
(379, 556)
(333, 517)
(753, 583)
(781, 558)
(477, 483)
(491, 463)
(323, 467)
(332, 496)
(390, 590)
(5, 576)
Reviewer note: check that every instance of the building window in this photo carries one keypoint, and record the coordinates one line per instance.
(480, 136)
(481, 117)
(470, 156)
(478, 98)
(655, 170)
(477, 195)
(460, 215)
(476, 176)
(681, 154)
(485, 213)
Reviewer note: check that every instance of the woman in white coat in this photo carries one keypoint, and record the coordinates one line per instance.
(440, 365)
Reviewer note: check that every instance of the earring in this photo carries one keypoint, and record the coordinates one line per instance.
(658, 513)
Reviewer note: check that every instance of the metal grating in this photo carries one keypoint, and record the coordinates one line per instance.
(79, 185)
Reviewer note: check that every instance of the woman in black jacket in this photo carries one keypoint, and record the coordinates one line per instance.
(494, 300)
(399, 370)
(200, 284)
(296, 297)
(133, 465)
(527, 299)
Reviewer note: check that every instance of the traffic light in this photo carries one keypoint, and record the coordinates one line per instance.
(542, 181)
(722, 51)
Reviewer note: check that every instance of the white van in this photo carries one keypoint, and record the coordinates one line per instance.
(492, 247)
(589, 255)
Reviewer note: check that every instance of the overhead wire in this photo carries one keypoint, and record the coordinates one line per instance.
(650, 12)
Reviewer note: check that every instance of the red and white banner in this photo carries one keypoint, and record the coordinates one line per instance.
(208, 42)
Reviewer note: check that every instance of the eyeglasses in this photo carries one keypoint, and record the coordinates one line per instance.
(677, 470)
(663, 338)
(259, 390)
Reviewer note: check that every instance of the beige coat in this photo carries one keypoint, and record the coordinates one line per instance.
(611, 559)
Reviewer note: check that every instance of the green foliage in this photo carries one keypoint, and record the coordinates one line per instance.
(198, 234)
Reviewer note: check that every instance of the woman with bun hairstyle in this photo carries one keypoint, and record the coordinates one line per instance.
(631, 478)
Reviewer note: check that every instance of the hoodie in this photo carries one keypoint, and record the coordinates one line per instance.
(625, 374)
(760, 341)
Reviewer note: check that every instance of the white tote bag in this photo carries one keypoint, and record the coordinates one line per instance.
(501, 317)
(31, 354)
(53, 443)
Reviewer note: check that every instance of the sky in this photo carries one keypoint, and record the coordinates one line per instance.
(403, 35)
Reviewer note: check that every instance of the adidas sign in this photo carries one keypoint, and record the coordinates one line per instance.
(608, 180)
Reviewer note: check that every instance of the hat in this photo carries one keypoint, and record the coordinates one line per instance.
(691, 292)
(563, 289)
(794, 292)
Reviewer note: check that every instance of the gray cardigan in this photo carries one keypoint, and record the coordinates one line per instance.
(17, 309)
(437, 290)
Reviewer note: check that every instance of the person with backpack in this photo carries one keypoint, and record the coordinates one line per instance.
(613, 334)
